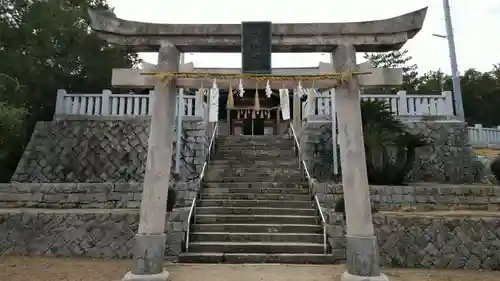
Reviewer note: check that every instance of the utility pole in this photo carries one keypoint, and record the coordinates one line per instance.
(457, 91)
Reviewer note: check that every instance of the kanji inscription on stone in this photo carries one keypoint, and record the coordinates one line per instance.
(256, 47)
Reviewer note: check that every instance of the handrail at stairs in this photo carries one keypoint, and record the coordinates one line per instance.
(323, 220)
(301, 162)
(211, 149)
(310, 181)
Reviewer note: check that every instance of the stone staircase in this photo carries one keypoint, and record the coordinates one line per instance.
(254, 207)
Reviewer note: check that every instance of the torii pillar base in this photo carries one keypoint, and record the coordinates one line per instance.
(152, 277)
(349, 277)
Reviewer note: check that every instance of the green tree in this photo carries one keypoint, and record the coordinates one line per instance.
(434, 82)
(481, 97)
(47, 45)
(12, 130)
(397, 59)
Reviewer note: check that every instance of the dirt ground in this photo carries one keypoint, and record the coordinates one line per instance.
(57, 269)
(487, 151)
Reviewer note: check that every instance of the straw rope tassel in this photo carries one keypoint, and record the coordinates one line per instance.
(230, 99)
(257, 102)
(313, 94)
(202, 93)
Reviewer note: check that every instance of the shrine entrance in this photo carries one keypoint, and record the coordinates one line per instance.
(253, 127)
(253, 114)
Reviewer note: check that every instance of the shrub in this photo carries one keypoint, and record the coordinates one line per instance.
(12, 129)
(389, 147)
(495, 168)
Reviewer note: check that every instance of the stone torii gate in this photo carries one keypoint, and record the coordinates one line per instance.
(342, 40)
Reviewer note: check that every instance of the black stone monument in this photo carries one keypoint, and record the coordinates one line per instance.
(256, 59)
(256, 47)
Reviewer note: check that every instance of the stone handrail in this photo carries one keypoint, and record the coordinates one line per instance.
(401, 104)
(484, 137)
(108, 104)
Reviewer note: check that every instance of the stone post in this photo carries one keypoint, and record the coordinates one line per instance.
(150, 240)
(362, 249)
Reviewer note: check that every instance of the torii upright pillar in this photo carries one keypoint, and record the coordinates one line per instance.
(362, 249)
(149, 252)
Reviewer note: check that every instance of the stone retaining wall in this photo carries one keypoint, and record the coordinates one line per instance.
(405, 241)
(430, 241)
(449, 158)
(97, 233)
(102, 150)
(420, 197)
(84, 195)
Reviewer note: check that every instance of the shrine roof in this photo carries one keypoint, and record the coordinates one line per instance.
(368, 36)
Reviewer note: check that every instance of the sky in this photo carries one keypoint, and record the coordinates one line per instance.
(475, 24)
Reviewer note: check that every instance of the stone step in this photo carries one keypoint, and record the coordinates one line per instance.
(287, 162)
(284, 258)
(264, 171)
(254, 153)
(249, 211)
(257, 247)
(256, 143)
(247, 158)
(260, 219)
(253, 140)
(255, 196)
(215, 177)
(256, 237)
(250, 148)
(255, 203)
(272, 190)
(250, 184)
(258, 228)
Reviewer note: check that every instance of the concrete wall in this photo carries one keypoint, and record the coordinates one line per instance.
(449, 158)
(101, 150)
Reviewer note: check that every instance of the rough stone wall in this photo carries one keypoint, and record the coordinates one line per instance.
(404, 241)
(316, 149)
(420, 197)
(449, 158)
(93, 233)
(417, 241)
(84, 195)
(100, 150)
